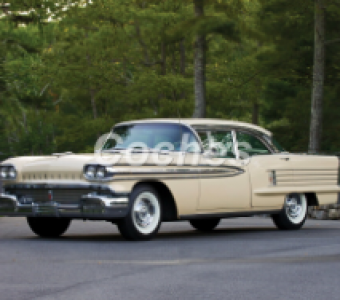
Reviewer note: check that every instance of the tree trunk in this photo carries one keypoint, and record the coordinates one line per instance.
(199, 66)
(318, 78)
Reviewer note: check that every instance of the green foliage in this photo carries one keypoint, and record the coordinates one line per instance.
(68, 73)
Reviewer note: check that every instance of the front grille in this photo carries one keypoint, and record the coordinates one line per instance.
(62, 196)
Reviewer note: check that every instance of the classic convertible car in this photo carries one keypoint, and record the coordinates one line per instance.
(150, 171)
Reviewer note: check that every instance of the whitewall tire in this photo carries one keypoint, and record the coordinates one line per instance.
(293, 214)
(144, 216)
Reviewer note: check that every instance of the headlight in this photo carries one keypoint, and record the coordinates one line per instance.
(4, 172)
(11, 173)
(93, 172)
(101, 172)
(90, 171)
(8, 173)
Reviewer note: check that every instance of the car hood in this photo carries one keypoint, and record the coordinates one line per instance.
(54, 166)
(71, 166)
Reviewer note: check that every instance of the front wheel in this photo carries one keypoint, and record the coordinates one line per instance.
(205, 224)
(49, 227)
(145, 214)
(294, 213)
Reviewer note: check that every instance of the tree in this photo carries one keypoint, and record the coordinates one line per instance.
(222, 18)
(199, 66)
(26, 120)
(293, 47)
(320, 42)
(318, 77)
(100, 62)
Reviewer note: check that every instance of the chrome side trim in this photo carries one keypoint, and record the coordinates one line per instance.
(229, 214)
(194, 173)
(297, 189)
(170, 173)
(159, 171)
(106, 201)
(306, 170)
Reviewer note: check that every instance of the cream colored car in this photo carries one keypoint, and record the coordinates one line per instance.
(150, 171)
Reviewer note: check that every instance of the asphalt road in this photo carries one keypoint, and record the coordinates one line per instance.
(245, 258)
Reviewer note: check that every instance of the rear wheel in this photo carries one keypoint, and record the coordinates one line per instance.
(49, 227)
(205, 224)
(293, 214)
(145, 215)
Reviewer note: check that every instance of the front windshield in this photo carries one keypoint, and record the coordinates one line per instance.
(159, 136)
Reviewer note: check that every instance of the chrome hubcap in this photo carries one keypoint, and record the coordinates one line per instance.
(296, 207)
(144, 212)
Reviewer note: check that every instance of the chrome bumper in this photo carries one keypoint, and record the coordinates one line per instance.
(91, 206)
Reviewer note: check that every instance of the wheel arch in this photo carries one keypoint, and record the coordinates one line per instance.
(312, 199)
(169, 207)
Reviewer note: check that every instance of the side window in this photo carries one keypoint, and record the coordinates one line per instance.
(221, 141)
(204, 138)
(249, 145)
(189, 142)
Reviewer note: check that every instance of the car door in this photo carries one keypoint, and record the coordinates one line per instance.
(265, 168)
(224, 182)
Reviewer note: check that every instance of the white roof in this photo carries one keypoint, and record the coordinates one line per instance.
(202, 121)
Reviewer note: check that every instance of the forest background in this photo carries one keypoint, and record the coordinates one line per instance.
(70, 70)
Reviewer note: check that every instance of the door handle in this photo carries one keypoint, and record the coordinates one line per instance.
(284, 158)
